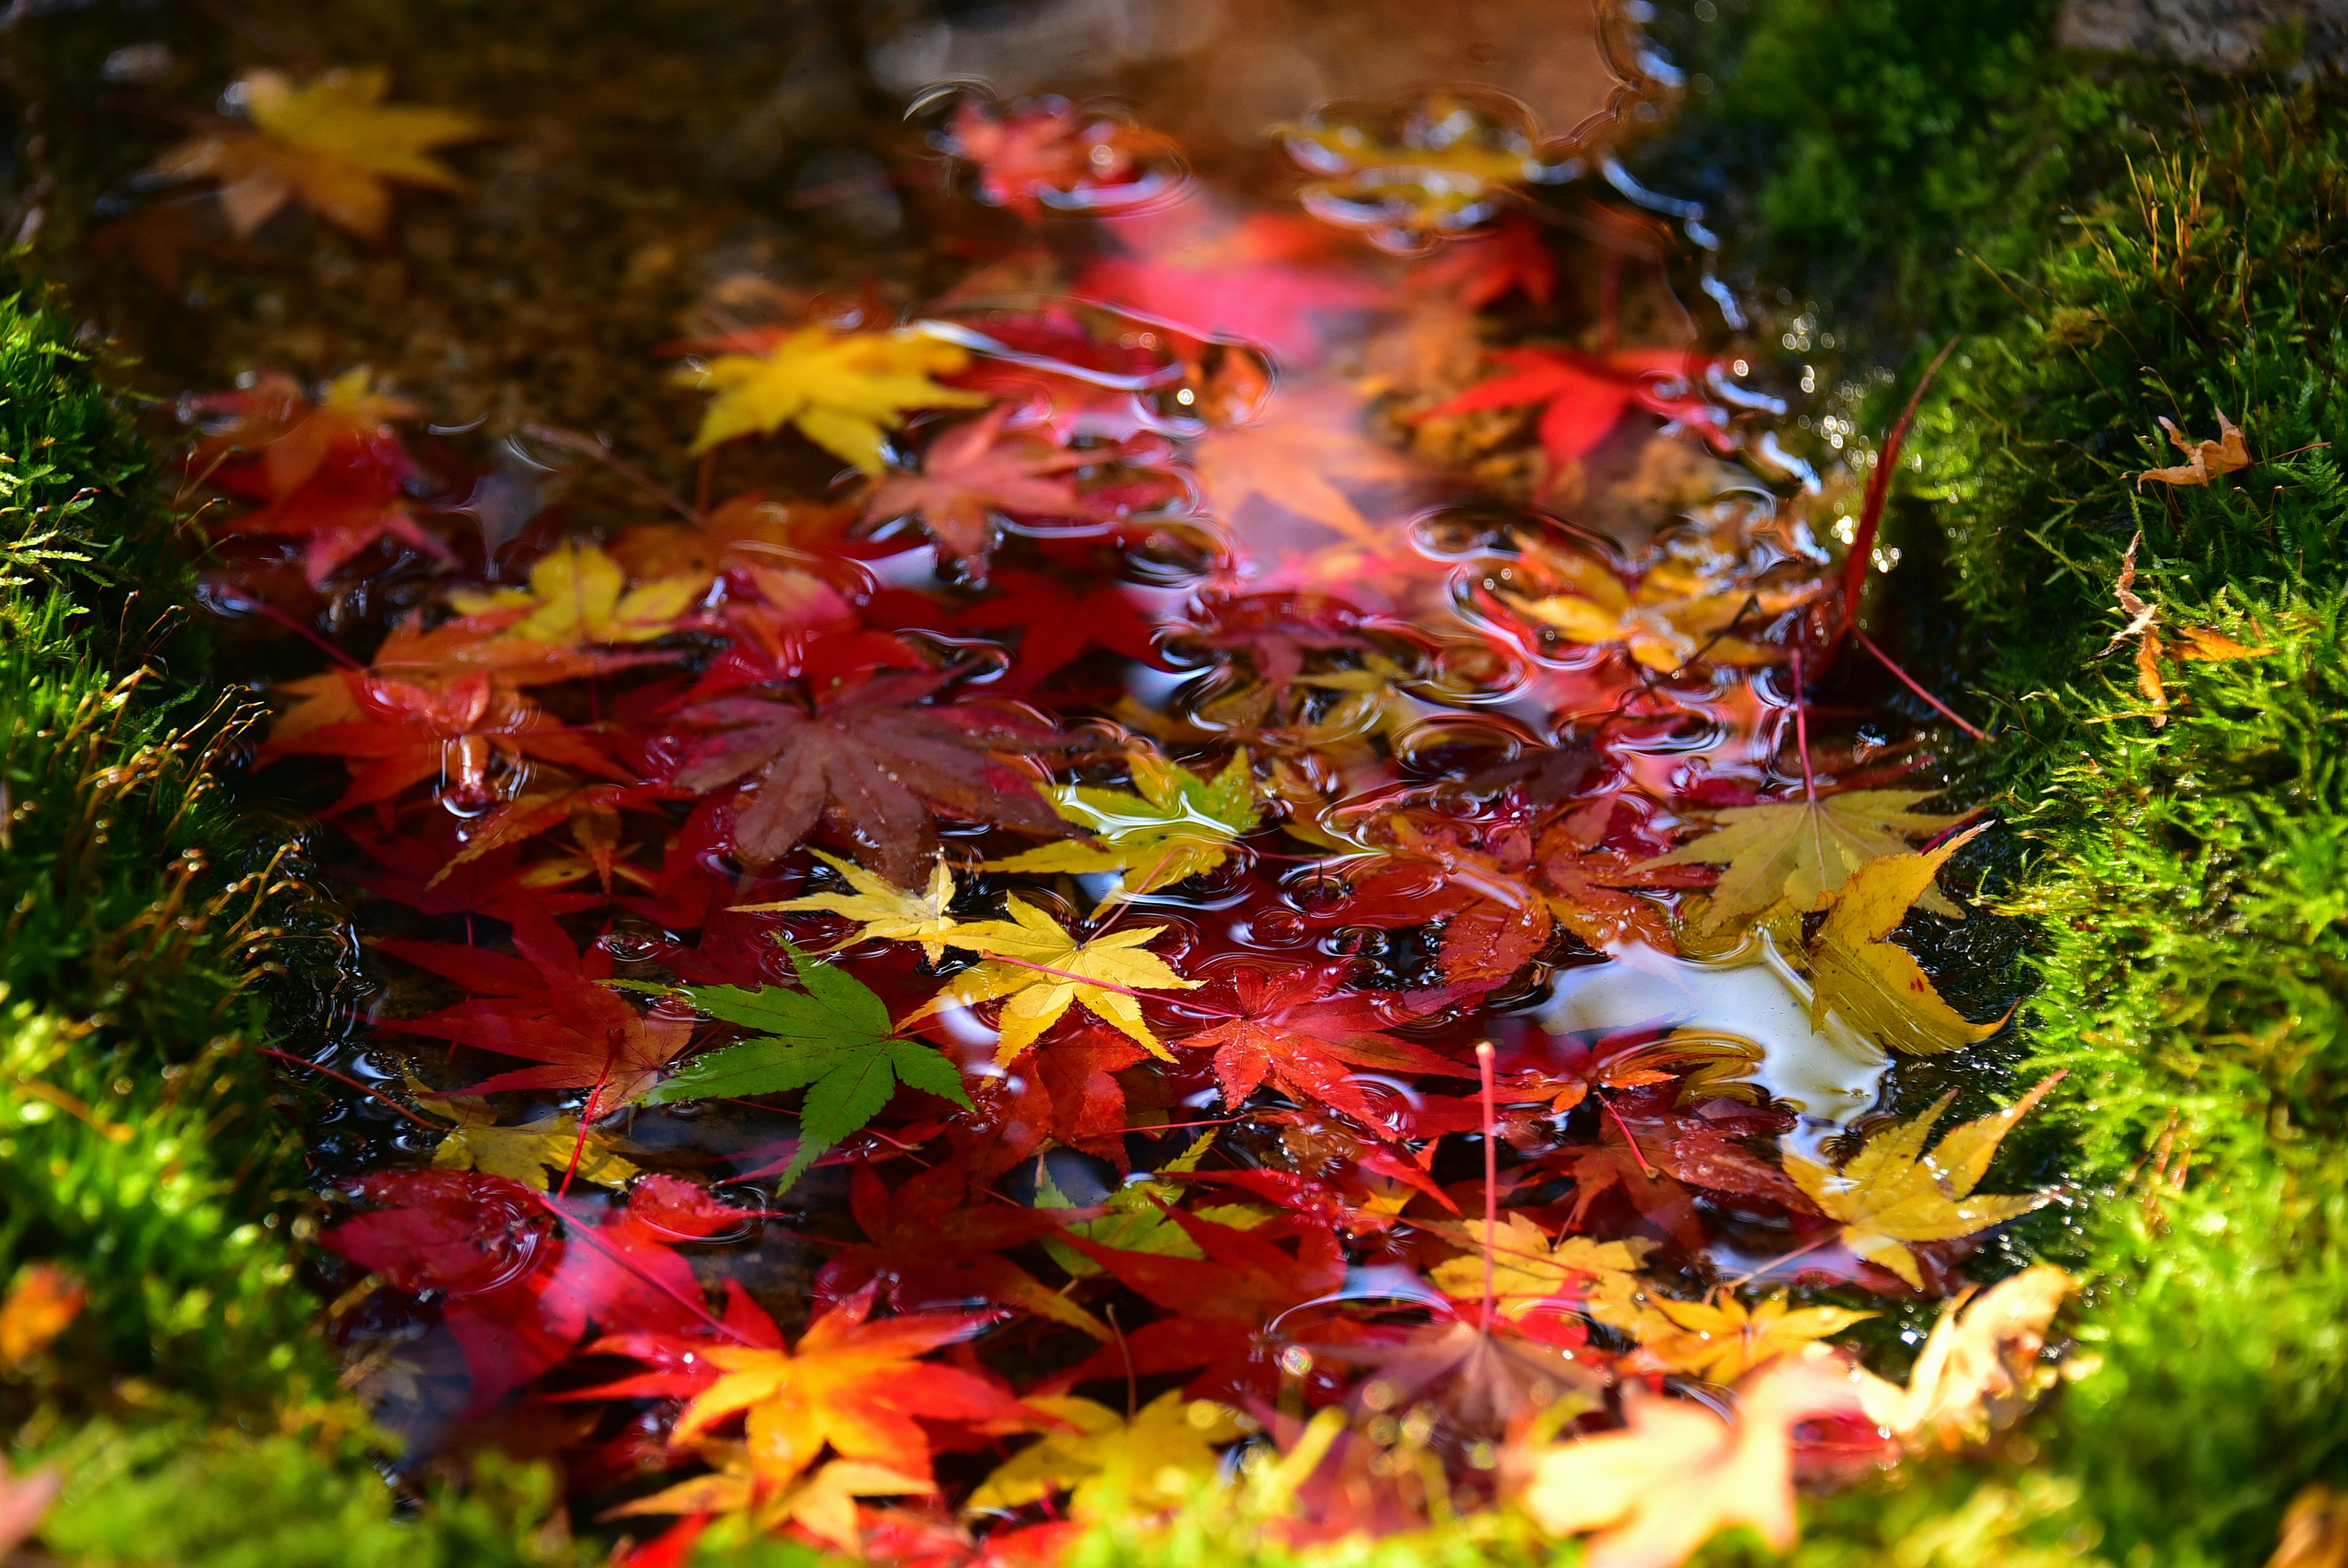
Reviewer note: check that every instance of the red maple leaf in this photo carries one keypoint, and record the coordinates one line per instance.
(852, 1384)
(1087, 1101)
(1299, 1028)
(518, 1293)
(977, 470)
(407, 734)
(1053, 153)
(1479, 268)
(546, 1007)
(938, 1240)
(1055, 622)
(876, 758)
(1583, 397)
(1219, 1308)
(1278, 279)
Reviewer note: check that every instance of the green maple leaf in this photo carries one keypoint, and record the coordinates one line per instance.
(1133, 1218)
(833, 1040)
(1175, 825)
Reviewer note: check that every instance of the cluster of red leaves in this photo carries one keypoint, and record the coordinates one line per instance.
(648, 767)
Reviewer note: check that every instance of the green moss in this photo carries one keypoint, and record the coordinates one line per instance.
(141, 919)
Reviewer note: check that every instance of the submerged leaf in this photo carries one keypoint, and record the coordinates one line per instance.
(1980, 1369)
(1178, 827)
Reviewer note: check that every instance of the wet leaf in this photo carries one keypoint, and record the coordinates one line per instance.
(533, 1154)
(843, 391)
(1794, 853)
(330, 143)
(1721, 1339)
(1583, 397)
(1532, 1274)
(1113, 1466)
(1695, 602)
(883, 909)
(1306, 459)
(1872, 984)
(855, 1387)
(1893, 1193)
(1680, 1474)
(823, 1503)
(547, 1006)
(875, 758)
(1177, 826)
(833, 1040)
(1042, 971)
(1305, 1031)
(577, 594)
(1980, 1369)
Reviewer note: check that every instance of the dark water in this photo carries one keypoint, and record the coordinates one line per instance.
(1365, 442)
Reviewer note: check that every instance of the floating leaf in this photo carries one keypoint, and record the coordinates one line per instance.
(843, 391)
(330, 143)
(1680, 1474)
(1112, 1465)
(1721, 1339)
(833, 1040)
(1795, 853)
(1893, 1193)
(1178, 827)
(1980, 1369)
(1042, 970)
(1873, 985)
(885, 911)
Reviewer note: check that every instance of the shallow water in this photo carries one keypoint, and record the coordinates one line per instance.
(1480, 665)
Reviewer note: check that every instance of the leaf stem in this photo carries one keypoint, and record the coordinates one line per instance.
(1491, 1171)
(1911, 682)
(354, 1083)
(1802, 732)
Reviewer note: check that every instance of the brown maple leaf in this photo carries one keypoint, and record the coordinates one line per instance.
(2204, 459)
(878, 759)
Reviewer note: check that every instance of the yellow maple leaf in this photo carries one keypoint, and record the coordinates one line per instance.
(1437, 165)
(1680, 609)
(823, 1503)
(1795, 853)
(889, 912)
(1722, 1339)
(843, 391)
(1679, 1473)
(1980, 1367)
(1877, 987)
(578, 594)
(526, 1153)
(1179, 825)
(1893, 1192)
(1113, 1466)
(1041, 969)
(1529, 1271)
(331, 143)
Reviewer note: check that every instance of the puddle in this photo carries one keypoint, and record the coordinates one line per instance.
(1275, 599)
